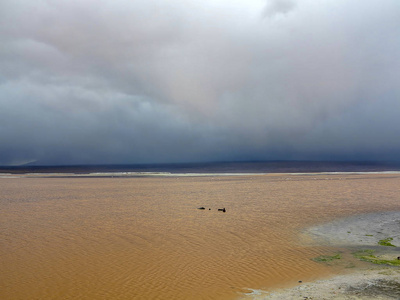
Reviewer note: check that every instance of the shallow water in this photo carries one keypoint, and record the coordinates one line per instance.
(144, 238)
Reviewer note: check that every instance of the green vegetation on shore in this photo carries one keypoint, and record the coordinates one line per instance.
(368, 255)
(327, 258)
(386, 242)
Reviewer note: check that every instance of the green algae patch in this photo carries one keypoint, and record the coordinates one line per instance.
(386, 242)
(368, 255)
(327, 258)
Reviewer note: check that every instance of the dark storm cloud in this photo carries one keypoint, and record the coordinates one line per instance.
(159, 81)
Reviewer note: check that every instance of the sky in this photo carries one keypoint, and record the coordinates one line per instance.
(161, 81)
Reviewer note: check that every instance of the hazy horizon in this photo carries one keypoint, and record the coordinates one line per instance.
(243, 167)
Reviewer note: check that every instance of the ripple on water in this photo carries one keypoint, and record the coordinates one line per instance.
(144, 238)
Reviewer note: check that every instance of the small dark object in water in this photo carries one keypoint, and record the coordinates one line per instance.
(222, 209)
(202, 207)
(209, 209)
(300, 281)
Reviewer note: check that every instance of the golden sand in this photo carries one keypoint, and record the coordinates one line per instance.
(144, 238)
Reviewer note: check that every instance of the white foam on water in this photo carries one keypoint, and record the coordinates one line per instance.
(128, 174)
(169, 174)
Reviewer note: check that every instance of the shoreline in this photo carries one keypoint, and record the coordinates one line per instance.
(373, 278)
(375, 283)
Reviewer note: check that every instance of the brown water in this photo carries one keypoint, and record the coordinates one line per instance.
(144, 238)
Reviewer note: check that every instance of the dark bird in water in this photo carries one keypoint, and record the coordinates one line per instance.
(222, 209)
(202, 207)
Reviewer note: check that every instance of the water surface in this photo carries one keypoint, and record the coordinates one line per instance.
(144, 238)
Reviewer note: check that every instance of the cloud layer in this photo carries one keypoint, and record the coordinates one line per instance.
(171, 81)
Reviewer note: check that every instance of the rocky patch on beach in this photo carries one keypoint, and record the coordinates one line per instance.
(361, 230)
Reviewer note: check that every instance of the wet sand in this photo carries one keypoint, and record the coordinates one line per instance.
(374, 237)
(144, 238)
(367, 284)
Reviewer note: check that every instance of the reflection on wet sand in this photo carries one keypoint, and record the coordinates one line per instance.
(144, 238)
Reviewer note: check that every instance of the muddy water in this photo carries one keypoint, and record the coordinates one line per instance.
(144, 238)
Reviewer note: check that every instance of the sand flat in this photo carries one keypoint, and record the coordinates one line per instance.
(144, 238)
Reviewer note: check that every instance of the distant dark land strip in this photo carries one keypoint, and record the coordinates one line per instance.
(215, 167)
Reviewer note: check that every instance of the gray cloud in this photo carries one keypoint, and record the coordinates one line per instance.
(277, 7)
(162, 81)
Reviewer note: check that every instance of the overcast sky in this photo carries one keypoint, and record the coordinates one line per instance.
(143, 81)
